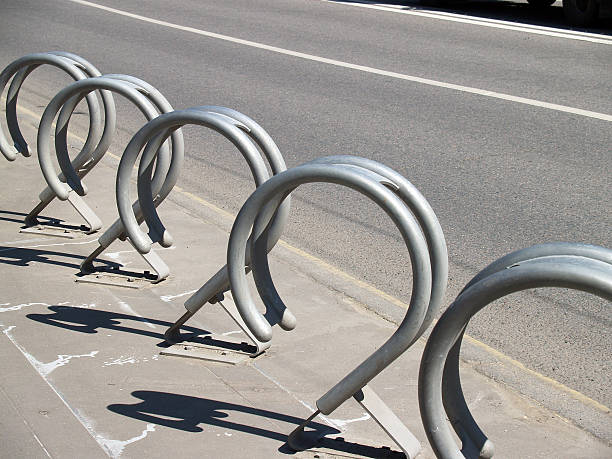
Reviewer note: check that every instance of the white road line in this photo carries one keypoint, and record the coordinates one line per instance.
(484, 22)
(362, 68)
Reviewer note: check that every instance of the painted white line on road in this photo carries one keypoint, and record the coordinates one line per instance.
(484, 22)
(362, 68)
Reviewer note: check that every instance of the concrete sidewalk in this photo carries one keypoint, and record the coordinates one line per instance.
(84, 376)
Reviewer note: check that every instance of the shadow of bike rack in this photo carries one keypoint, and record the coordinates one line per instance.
(575, 266)
(92, 151)
(427, 249)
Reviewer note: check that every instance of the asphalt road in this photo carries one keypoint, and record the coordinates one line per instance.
(501, 174)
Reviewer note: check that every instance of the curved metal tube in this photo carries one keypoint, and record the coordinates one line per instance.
(70, 96)
(576, 266)
(368, 183)
(157, 231)
(61, 143)
(277, 164)
(549, 249)
(154, 131)
(423, 213)
(76, 67)
(153, 95)
(223, 121)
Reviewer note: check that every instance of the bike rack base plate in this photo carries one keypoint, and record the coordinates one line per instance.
(138, 281)
(336, 447)
(205, 352)
(66, 231)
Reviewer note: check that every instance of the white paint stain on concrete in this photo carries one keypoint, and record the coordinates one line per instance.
(17, 307)
(47, 368)
(121, 361)
(115, 448)
(23, 241)
(477, 399)
(344, 422)
(131, 360)
(8, 249)
(44, 369)
(169, 298)
(85, 422)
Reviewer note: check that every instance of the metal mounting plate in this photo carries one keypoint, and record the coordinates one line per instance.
(117, 280)
(66, 231)
(205, 352)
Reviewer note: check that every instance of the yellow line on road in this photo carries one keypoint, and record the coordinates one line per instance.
(370, 288)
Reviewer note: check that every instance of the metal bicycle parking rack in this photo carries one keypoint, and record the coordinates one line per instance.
(255, 144)
(158, 147)
(151, 103)
(581, 267)
(93, 149)
(428, 256)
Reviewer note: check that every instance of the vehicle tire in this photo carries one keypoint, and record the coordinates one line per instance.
(581, 12)
(540, 3)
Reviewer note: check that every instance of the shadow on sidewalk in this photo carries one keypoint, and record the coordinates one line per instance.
(23, 256)
(185, 413)
(85, 320)
(41, 219)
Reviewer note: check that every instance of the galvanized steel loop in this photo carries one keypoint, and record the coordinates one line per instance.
(367, 182)
(151, 132)
(16, 72)
(575, 266)
(147, 105)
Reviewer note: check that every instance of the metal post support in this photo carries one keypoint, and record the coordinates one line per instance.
(149, 101)
(576, 266)
(354, 173)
